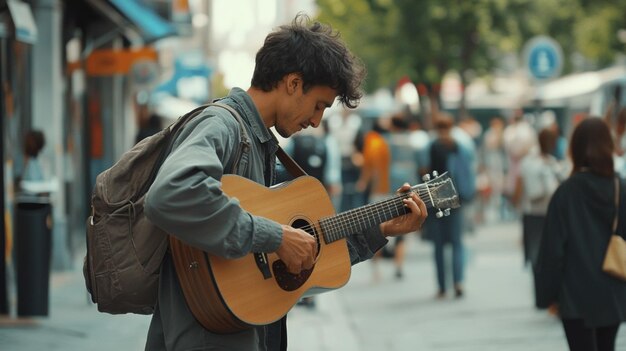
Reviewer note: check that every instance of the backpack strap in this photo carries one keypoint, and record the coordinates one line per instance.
(172, 133)
(244, 143)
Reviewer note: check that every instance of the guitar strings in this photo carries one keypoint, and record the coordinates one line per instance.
(343, 224)
(340, 226)
(336, 223)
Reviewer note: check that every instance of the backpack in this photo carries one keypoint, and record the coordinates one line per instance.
(459, 164)
(124, 249)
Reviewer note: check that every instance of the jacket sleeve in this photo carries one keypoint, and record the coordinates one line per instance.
(362, 246)
(187, 202)
(551, 257)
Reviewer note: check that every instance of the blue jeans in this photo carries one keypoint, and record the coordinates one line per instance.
(448, 230)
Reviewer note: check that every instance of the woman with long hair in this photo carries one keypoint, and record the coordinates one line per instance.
(577, 229)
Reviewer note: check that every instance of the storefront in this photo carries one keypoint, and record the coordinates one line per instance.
(18, 33)
(109, 58)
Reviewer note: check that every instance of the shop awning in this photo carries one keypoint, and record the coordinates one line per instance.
(23, 20)
(151, 26)
(138, 22)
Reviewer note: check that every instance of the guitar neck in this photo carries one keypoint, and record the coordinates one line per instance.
(365, 217)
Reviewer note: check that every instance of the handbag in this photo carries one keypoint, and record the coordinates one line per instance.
(615, 257)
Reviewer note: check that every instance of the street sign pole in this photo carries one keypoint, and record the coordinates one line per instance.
(543, 59)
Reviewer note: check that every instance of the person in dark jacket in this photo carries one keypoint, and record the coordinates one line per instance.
(578, 225)
(448, 230)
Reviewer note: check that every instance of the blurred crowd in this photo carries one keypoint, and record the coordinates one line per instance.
(514, 165)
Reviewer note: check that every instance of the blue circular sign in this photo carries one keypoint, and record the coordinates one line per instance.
(544, 58)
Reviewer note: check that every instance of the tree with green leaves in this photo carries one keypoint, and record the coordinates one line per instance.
(423, 40)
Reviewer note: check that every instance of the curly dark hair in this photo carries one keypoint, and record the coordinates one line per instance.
(313, 50)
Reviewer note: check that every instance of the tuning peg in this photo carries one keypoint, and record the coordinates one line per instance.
(426, 177)
(435, 174)
(446, 212)
(439, 214)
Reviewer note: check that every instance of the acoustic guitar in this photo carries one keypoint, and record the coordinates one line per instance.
(230, 295)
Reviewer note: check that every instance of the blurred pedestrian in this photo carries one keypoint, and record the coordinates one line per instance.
(35, 178)
(150, 126)
(467, 133)
(345, 128)
(34, 142)
(404, 168)
(448, 230)
(614, 105)
(494, 163)
(619, 156)
(578, 225)
(332, 170)
(420, 141)
(540, 175)
(470, 125)
(547, 119)
(374, 178)
(148, 121)
(519, 138)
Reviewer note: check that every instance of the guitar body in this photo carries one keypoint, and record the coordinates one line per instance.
(231, 295)
(227, 296)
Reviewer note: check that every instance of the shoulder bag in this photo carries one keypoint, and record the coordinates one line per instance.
(615, 257)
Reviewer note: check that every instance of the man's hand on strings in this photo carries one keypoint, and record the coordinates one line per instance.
(298, 249)
(409, 222)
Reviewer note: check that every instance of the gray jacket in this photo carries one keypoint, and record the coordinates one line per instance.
(186, 201)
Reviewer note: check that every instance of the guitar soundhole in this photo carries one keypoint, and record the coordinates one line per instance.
(307, 227)
(289, 281)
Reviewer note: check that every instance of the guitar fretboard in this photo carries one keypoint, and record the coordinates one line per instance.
(365, 217)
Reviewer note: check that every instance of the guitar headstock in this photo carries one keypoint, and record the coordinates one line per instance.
(439, 192)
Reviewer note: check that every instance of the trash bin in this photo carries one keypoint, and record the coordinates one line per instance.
(33, 244)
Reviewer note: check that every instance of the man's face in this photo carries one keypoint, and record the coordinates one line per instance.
(301, 109)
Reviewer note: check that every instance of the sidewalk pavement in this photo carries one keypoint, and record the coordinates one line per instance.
(496, 313)
(73, 323)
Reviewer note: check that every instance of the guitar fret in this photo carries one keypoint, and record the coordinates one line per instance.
(361, 225)
(369, 220)
(397, 211)
(340, 229)
(364, 217)
(336, 228)
(327, 229)
(344, 226)
(382, 211)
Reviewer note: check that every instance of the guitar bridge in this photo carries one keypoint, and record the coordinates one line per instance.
(263, 265)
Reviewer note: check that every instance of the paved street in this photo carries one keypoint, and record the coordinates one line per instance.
(497, 312)
(74, 324)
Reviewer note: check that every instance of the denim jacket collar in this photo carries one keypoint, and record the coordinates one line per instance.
(252, 115)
